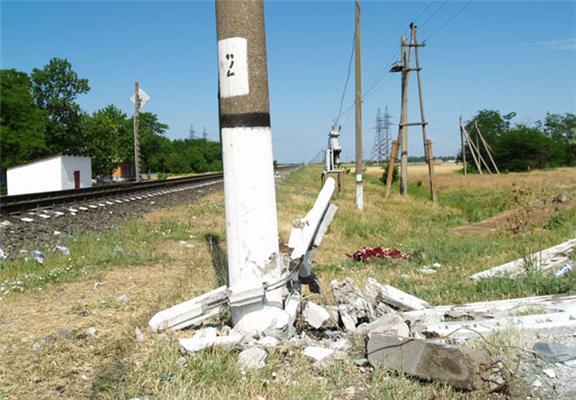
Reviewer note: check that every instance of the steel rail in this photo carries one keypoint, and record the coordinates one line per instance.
(25, 202)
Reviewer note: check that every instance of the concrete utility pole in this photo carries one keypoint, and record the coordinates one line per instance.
(249, 193)
(463, 149)
(404, 118)
(137, 131)
(359, 166)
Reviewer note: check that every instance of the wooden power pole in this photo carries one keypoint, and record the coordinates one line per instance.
(249, 192)
(463, 148)
(137, 101)
(359, 163)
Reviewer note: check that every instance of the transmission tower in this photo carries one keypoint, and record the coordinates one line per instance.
(192, 132)
(381, 149)
(204, 134)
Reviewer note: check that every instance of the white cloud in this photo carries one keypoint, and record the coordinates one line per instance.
(561, 44)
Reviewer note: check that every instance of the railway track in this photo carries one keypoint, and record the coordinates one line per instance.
(95, 197)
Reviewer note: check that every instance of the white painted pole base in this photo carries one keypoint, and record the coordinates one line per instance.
(359, 193)
(251, 219)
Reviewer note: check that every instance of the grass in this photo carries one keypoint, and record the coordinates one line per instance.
(155, 271)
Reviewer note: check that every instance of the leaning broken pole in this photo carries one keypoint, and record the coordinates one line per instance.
(264, 288)
(250, 199)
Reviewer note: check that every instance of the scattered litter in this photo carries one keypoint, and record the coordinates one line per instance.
(62, 249)
(436, 265)
(37, 346)
(26, 219)
(549, 372)
(252, 358)
(555, 352)
(427, 271)
(57, 233)
(139, 335)
(5, 223)
(38, 256)
(123, 298)
(564, 270)
(3, 255)
(184, 243)
(118, 250)
(91, 331)
(98, 285)
(368, 253)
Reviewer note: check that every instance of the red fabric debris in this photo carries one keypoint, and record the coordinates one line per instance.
(368, 253)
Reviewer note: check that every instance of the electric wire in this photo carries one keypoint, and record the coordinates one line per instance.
(449, 20)
(347, 76)
(434, 13)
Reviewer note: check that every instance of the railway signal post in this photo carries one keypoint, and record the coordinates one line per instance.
(250, 198)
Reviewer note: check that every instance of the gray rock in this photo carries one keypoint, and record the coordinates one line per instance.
(65, 333)
(461, 368)
(252, 358)
(554, 352)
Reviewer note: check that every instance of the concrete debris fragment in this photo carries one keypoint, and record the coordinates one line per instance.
(38, 256)
(389, 324)
(268, 342)
(252, 358)
(549, 372)
(316, 316)
(544, 260)
(57, 233)
(555, 352)
(353, 308)
(461, 368)
(62, 250)
(191, 345)
(5, 223)
(427, 271)
(3, 255)
(206, 333)
(317, 353)
(369, 253)
(537, 383)
(395, 297)
(92, 331)
(27, 219)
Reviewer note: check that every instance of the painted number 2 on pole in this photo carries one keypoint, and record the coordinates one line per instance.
(233, 67)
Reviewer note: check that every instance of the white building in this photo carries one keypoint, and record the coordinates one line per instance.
(51, 173)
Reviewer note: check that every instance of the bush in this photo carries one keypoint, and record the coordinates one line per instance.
(385, 174)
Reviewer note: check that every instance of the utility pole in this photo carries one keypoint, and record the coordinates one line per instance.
(192, 132)
(204, 134)
(359, 166)
(463, 148)
(427, 143)
(137, 131)
(249, 193)
(404, 118)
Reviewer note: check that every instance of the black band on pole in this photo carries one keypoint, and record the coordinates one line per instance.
(248, 120)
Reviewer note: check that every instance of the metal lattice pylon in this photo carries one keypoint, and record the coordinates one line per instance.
(381, 149)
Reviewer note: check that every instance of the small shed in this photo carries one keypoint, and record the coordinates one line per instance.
(51, 173)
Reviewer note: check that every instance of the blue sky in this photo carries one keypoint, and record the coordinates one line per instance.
(511, 56)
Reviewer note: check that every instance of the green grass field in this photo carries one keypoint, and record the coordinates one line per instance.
(155, 271)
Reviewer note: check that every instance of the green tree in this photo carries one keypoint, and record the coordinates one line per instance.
(55, 89)
(22, 123)
(562, 129)
(106, 131)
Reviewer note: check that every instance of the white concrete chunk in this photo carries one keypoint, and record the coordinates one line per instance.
(318, 353)
(252, 358)
(191, 345)
(397, 298)
(316, 316)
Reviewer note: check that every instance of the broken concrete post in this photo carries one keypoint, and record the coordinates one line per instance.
(191, 312)
(464, 369)
(249, 193)
(388, 324)
(252, 358)
(353, 308)
(191, 345)
(395, 297)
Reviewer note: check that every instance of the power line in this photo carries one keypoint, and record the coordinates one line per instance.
(347, 77)
(435, 13)
(449, 20)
